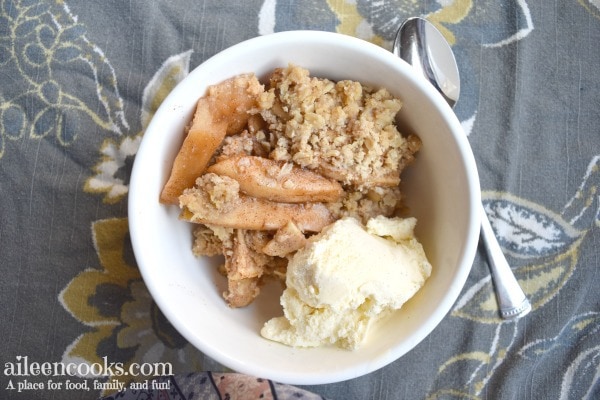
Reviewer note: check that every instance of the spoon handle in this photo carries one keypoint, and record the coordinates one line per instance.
(512, 301)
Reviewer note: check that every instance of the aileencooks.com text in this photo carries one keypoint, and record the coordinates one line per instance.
(23, 367)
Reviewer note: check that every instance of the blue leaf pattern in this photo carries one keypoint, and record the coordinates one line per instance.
(526, 229)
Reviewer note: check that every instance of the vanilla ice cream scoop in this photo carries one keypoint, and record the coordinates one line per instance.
(345, 278)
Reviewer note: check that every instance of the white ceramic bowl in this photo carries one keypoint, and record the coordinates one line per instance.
(441, 187)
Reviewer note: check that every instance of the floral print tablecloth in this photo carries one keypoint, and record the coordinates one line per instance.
(79, 82)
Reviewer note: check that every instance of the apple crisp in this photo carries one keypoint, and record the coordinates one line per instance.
(263, 167)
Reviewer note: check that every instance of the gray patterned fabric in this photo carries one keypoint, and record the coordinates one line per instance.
(79, 81)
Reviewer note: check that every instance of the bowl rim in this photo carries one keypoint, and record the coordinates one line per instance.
(466, 257)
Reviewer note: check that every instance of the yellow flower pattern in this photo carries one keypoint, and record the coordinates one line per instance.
(109, 241)
(131, 324)
(388, 13)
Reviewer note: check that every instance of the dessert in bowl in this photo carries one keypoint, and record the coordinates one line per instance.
(440, 189)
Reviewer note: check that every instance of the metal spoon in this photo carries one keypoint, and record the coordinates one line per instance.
(420, 44)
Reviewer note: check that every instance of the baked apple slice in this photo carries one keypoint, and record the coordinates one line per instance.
(224, 110)
(277, 181)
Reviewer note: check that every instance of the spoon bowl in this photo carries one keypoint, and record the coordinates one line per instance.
(424, 47)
